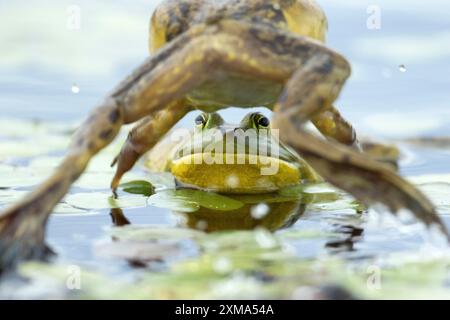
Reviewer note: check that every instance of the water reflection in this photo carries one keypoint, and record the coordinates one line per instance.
(271, 212)
(279, 215)
(118, 217)
(351, 235)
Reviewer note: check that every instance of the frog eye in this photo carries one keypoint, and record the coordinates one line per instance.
(262, 121)
(201, 120)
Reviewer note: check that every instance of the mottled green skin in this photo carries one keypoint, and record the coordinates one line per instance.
(252, 141)
(173, 18)
(215, 122)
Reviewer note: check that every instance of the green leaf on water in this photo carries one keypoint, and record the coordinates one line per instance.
(189, 200)
(209, 200)
(167, 200)
(138, 187)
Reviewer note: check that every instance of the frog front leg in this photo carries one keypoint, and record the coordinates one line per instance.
(145, 135)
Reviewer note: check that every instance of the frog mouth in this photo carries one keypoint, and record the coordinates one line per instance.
(235, 173)
(233, 150)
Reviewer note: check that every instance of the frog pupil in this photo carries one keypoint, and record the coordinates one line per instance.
(263, 122)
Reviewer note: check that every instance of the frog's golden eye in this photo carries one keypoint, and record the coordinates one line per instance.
(201, 120)
(261, 121)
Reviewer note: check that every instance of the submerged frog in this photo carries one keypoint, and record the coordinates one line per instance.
(208, 55)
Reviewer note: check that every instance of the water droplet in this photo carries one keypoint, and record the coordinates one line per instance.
(259, 211)
(402, 68)
(75, 88)
(232, 181)
(222, 265)
(265, 239)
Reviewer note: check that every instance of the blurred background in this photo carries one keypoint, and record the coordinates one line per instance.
(53, 69)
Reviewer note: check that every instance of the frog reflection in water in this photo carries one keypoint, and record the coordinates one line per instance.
(209, 55)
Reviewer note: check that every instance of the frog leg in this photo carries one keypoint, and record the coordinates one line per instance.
(177, 69)
(387, 153)
(165, 77)
(313, 76)
(333, 126)
(22, 225)
(145, 135)
(311, 89)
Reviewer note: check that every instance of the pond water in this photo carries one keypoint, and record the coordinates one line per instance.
(50, 78)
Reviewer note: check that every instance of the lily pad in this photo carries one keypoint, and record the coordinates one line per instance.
(64, 208)
(151, 233)
(166, 200)
(15, 128)
(188, 200)
(311, 194)
(138, 187)
(137, 252)
(32, 147)
(101, 200)
(8, 196)
(12, 176)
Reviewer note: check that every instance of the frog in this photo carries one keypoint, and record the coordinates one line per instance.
(199, 161)
(209, 55)
(220, 157)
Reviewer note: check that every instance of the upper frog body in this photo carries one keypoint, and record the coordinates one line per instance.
(243, 158)
(229, 88)
(174, 17)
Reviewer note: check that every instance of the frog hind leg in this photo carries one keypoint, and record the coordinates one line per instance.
(313, 76)
(311, 90)
(167, 76)
(387, 153)
(335, 127)
(22, 225)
